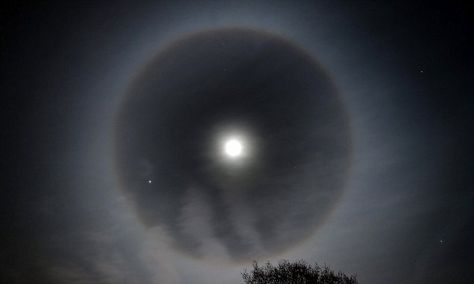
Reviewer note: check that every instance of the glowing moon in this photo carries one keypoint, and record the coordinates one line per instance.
(233, 148)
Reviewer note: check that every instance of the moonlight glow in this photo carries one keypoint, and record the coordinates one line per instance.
(270, 132)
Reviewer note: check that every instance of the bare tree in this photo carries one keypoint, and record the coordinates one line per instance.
(298, 272)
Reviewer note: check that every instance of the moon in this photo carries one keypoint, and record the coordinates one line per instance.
(233, 148)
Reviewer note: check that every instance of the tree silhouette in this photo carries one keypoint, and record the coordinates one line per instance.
(298, 272)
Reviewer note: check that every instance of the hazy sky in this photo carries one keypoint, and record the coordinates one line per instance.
(178, 141)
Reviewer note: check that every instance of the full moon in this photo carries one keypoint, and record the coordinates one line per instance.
(233, 148)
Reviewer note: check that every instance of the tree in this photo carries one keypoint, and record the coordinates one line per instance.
(298, 272)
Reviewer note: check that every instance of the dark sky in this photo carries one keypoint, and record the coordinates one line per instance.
(354, 122)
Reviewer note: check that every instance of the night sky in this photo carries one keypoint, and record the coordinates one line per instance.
(178, 141)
